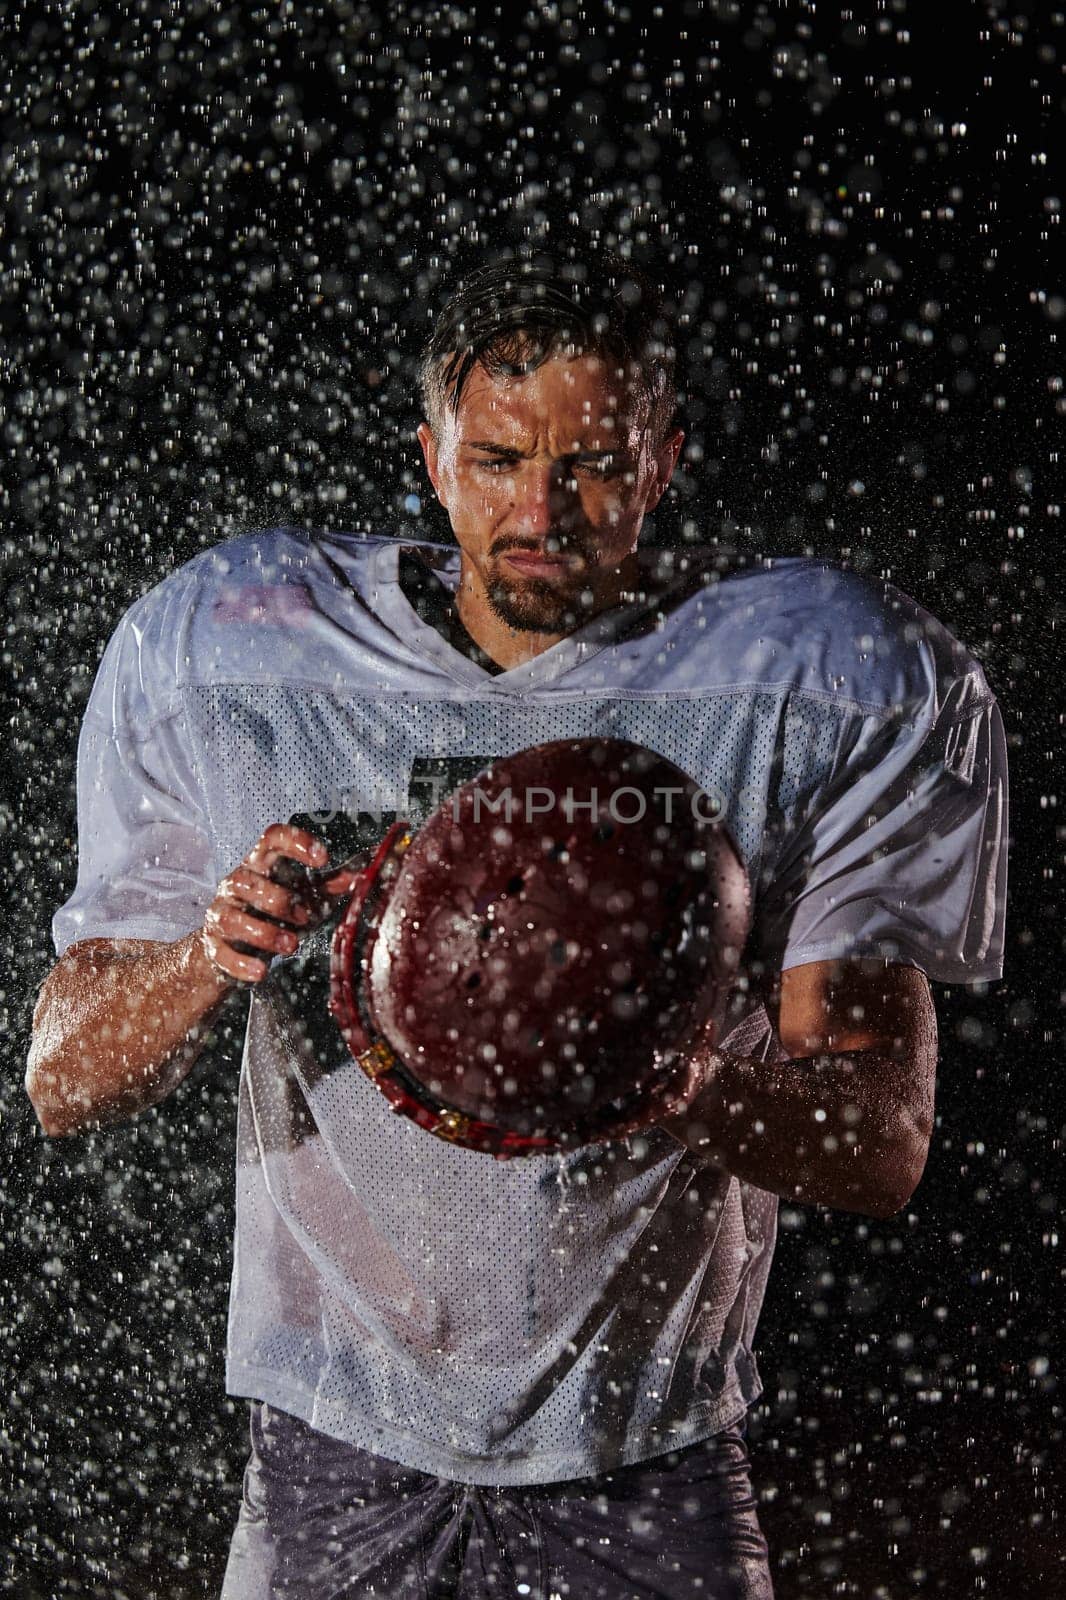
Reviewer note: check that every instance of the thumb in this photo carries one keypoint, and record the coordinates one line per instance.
(341, 883)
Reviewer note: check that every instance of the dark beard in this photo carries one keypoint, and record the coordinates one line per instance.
(534, 606)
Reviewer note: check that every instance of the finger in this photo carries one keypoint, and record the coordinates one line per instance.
(341, 882)
(229, 922)
(282, 840)
(245, 968)
(247, 887)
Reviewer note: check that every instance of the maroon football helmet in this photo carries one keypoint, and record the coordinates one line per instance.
(531, 968)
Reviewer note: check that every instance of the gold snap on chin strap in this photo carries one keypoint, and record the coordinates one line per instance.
(377, 1059)
(452, 1125)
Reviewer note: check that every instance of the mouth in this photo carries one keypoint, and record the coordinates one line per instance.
(537, 564)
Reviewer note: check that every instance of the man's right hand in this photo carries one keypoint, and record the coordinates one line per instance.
(252, 912)
(119, 1022)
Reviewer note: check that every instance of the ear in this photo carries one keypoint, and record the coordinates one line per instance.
(665, 462)
(428, 442)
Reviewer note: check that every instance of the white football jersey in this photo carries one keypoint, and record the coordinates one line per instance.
(552, 1316)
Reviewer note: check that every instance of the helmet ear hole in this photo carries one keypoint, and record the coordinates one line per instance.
(528, 987)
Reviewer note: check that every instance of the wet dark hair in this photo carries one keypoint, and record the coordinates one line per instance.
(511, 316)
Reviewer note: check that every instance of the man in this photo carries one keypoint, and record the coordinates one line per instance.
(467, 1377)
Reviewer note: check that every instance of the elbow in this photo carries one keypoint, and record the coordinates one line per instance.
(42, 1091)
(52, 1129)
(47, 1084)
(59, 1067)
(36, 1083)
(57, 1116)
(44, 1073)
(50, 1124)
(901, 1178)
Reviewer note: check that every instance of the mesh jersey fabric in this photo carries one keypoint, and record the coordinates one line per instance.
(554, 1316)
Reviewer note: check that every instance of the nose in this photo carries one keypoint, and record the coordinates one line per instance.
(542, 499)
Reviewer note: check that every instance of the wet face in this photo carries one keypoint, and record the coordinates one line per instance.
(546, 479)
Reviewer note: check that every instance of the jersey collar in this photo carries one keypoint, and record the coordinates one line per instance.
(395, 610)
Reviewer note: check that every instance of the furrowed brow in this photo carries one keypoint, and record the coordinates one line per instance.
(511, 454)
(493, 449)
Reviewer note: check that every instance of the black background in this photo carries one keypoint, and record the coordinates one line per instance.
(225, 232)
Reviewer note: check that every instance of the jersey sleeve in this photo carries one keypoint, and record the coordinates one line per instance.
(904, 855)
(145, 858)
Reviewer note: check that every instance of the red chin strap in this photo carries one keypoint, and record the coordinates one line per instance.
(351, 954)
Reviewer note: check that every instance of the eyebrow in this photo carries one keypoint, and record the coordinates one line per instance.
(509, 450)
(497, 449)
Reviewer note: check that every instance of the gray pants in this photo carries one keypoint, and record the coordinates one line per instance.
(321, 1519)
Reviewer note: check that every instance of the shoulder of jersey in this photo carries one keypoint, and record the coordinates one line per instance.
(262, 577)
(269, 558)
(813, 626)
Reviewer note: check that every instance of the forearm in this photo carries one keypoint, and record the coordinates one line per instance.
(823, 1130)
(119, 1023)
(114, 1033)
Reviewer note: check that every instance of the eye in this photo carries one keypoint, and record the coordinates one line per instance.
(604, 467)
(494, 463)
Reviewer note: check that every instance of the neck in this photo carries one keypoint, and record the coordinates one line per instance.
(509, 646)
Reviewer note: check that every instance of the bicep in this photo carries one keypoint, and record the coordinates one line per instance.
(867, 1007)
(82, 959)
(113, 949)
(839, 1006)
